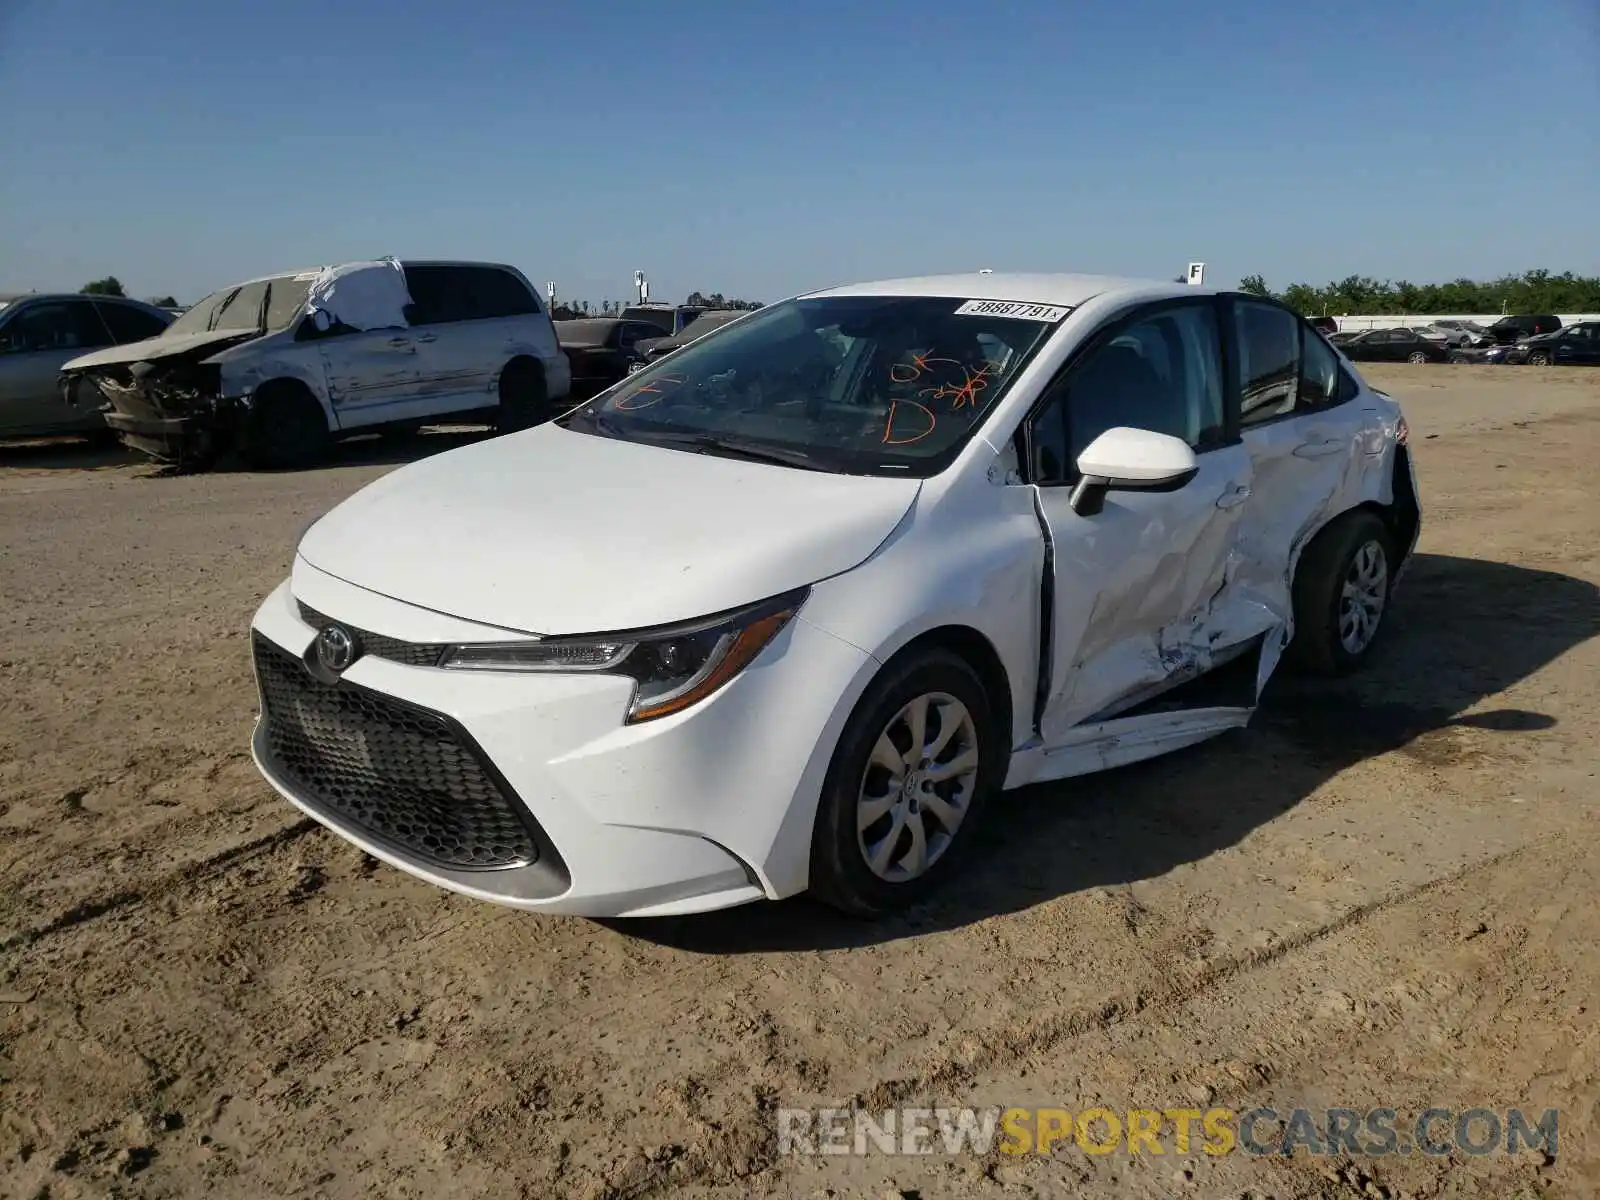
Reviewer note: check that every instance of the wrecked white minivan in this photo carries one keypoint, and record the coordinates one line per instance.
(276, 368)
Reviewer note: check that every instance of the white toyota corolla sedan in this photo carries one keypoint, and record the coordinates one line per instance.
(781, 611)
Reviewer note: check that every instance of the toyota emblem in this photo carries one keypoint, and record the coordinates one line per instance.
(336, 648)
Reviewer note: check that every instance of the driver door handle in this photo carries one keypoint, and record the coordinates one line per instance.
(1234, 496)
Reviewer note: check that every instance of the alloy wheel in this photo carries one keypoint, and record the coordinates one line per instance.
(918, 787)
(1362, 597)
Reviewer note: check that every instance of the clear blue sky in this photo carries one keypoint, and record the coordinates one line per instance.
(762, 148)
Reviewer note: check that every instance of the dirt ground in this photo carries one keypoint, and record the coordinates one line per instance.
(1384, 892)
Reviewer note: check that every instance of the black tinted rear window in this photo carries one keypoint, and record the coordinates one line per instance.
(130, 324)
(442, 293)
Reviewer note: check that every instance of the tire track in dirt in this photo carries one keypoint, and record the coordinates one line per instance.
(161, 887)
(751, 1143)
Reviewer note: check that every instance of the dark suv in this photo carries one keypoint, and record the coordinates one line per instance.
(1509, 330)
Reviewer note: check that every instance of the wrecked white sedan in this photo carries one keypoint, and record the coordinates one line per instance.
(278, 367)
(782, 611)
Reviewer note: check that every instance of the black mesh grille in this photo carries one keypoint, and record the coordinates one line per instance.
(398, 772)
(412, 654)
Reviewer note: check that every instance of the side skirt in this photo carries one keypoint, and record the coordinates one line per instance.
(1120, 741)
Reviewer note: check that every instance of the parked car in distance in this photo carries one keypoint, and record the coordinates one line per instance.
(668, 318)
(1508, 330)
(1473, 334)
(40, 333)
(1574, 345)
(602, 350)
(1393, 345)
(277, 367)
(784, 610)
(712, 318)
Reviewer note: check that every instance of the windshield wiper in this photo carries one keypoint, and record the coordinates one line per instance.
(708, 443)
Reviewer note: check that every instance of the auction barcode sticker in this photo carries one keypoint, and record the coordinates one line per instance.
(1012, 308)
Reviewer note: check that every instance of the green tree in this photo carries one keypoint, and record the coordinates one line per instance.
(1536, 291)
(1255, 285)
(109, 286)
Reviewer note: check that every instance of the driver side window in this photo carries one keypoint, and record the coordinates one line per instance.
(1162, 372)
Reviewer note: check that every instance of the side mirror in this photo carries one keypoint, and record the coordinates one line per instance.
(1124, 459)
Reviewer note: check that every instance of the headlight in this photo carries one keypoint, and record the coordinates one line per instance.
(673, 667)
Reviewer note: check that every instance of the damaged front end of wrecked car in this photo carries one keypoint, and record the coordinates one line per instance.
(193, 394)
(164, 397)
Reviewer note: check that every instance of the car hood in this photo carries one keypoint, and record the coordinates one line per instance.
(551, 531)
(152, 349)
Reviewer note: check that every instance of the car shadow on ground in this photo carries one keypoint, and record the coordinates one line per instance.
(70, 453)
(372, 450)
(1462, 630)
(66, 452)
(361, 450)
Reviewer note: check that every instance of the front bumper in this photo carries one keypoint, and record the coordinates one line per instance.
(166, 438)
(707, 809)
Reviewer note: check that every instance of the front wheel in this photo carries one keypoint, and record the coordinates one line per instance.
(1538, 359)
(285, 427)
(1416, 357)
(914, 767)
(1341, 593)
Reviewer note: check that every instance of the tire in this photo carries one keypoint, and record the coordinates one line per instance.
(1538, 359)
(285, 427)
(524, 400)
(952, 691)
(103, 438)
(1335, 632)
(1416, 357)
(1457, 357)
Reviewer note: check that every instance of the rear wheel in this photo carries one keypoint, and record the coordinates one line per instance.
(914, 767)
(524, 400)
(1341, 593)
(285, 427)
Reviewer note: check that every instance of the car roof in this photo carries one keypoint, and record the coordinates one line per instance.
(21, 296)
(404, 262)
(1059, 289)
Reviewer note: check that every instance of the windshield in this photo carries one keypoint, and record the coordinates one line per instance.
(239, 306)
(853, 384)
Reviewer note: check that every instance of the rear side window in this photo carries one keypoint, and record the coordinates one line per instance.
(130, 324)
(56, 325)
(491, 292)
(1269, 361)
(442, 293)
